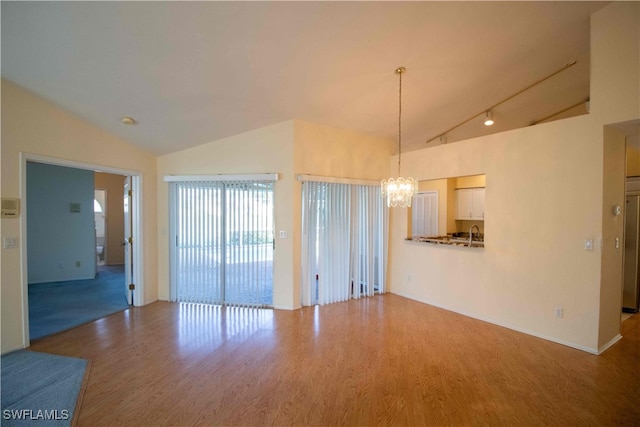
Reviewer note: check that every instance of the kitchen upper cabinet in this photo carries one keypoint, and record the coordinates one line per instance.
(470, 204)
(477, 203)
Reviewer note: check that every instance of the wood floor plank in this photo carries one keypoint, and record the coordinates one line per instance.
(385, 360)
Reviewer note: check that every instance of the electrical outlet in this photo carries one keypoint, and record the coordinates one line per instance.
(559, 312)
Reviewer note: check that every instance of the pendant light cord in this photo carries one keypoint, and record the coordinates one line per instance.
(399, 71)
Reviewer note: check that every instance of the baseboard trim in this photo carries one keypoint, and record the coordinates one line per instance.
(509, 326)
(13, 349)
(605, 347)
(282, 307)
(39, 282)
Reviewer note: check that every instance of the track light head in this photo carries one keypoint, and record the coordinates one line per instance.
(488, 118)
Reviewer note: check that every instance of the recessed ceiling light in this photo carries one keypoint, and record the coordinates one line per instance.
(128, 120)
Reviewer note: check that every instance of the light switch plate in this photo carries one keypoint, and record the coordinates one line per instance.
(10, 242)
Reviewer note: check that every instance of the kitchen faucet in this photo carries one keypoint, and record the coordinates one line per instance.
(471, 232)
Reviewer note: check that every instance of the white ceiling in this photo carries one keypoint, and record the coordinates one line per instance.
(195, 72)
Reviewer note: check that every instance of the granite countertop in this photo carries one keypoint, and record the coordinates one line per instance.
(450, 240)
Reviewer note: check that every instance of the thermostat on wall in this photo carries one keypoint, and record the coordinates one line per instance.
(10, 208)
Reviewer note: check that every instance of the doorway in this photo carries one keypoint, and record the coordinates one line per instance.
(100, 213)
(71, 206)
(619, 211)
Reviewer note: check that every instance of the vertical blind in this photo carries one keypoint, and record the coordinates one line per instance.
(424, 214)
(343, 242)
(223, 249)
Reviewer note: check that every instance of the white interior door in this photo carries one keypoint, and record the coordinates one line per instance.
(128, 241)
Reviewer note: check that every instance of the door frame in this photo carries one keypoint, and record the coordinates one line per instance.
(137, 224)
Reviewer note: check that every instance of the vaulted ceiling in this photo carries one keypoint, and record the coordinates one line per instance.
(194, 72)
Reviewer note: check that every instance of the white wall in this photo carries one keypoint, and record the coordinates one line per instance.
(59, 239)
(544, 198)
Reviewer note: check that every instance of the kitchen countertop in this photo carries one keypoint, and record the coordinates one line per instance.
(448, 240)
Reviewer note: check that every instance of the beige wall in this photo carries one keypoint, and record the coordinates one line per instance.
(114, 224)
(613, 189)
(471, 181)
(544, 192)
(327, 151)
(633, 161)
(266, 150)
(288, 148)
(533, 260)
(615, 35)
(33, 125)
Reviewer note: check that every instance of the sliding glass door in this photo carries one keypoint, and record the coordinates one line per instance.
(343, 242)
(222, 248)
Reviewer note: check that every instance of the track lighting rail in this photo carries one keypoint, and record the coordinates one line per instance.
(571, 64)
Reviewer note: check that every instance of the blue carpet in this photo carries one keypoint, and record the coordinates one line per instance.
(40, 389)
(58, 306)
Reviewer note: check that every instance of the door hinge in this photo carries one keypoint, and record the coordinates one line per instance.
(131, 286)
(130, 240)
(130, 193)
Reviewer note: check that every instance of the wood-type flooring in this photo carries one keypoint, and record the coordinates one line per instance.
(385, 360)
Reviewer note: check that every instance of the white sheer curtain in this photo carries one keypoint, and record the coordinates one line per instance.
(343, 241)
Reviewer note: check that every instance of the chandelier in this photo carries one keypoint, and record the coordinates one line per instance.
(399, 191)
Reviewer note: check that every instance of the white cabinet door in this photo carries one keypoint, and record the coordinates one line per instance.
(463, 200)
(470, 203)
(477, 203)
